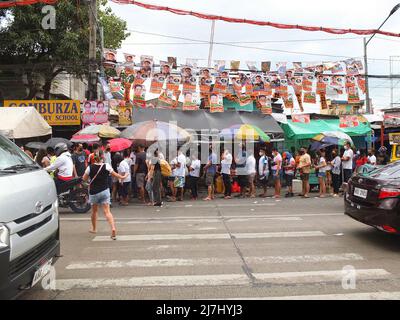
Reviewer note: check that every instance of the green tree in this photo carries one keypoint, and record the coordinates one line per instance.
(35, 56)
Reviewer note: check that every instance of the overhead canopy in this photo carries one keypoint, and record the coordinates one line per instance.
(204, 120)
(22, 122)
(299, 131)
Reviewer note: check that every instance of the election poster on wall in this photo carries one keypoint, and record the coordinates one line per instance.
(94, 112)
(55, 112)
(349, 121)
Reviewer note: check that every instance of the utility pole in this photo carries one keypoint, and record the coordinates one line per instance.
(211, 43)
(367, 101)
(93, 67)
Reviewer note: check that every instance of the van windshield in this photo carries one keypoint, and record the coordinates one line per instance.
(12, 158)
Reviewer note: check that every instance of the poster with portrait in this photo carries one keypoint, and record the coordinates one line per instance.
(236, 85)
(350, 83)
(275, 81)
(353, 96)
(157, 83)
(115, 86)
(94, 112)
(109, 58)
(190, 84)
(266, 66)
(252, 66)
(173, 82)
(216, 103)
(258, 82)
(165, 68)
(308, 81)
(221, 84)
(235, 65)
(310, 97)
(264, 103)
(141, 77)
(283, 89)
(219, 65)
(298, 85)
(288, 101)
(361, 83)
(191, 101)
(324, 103)
(205, 85)
(146, 65)
(301, 118)
(349, 121)
(167, 99)
(245, 100)
(321, 85)
(124, 116)
(172, 62)
(139, 94)
(337, 83)
(129, 64)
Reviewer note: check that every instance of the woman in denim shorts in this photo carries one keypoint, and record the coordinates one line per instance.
(322, 168)
(99, 192)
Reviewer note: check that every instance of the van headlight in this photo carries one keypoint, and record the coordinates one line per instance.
(4, 236)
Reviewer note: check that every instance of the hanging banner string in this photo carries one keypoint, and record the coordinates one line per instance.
(14, 3)
(255, 22)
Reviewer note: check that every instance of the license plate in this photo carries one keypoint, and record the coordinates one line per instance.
(361, 193)
(41, 272)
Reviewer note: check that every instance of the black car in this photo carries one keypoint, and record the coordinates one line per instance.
(373, 197)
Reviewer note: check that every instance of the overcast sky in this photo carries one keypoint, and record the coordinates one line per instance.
(356, 14)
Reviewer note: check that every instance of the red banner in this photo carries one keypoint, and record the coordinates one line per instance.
(7, 4)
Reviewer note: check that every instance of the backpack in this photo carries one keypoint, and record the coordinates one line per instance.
(166, 170)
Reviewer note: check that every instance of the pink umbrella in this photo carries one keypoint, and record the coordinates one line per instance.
(119, 144)
(80, 138)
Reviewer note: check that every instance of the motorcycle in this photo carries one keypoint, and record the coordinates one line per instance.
(74, 194)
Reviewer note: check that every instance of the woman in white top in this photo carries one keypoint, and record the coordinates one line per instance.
(335, 163)
(322, 167)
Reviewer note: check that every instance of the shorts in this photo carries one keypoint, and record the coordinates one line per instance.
(210, 179)
(252, 178)
(276, 177)
(305, 176)
(140, 180)
(179, 182)
(289, 179)
(264, 181)
(124, 189)
(322, 175)
(102, 197)
(243, 181)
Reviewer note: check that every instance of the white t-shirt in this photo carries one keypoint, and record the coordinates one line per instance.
(174, 161)
(107, 158)
(123, 168)
(261, 163)
(64, 164)
(349, 163)
(180, 172)
(133, 158)
(277, 158)
(226, 164)
(196, 168)
(372, 160)
(336, 165)
(321, 162)
(251, 165)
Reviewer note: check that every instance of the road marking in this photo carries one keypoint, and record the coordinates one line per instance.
(318, 276)
(215, 220)
(384, 295)
(212, 236)
(211, 261)
(166, 281)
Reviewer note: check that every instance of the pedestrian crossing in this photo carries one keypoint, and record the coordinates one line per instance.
(220, 254)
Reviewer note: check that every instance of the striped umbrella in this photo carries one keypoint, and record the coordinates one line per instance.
(101, 130)
(154, 130)
(244, 132)
(80, 138)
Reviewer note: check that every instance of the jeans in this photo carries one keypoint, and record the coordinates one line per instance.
(227, 184)
(347, 174)
(193, 181)
(336, 183)
(157, 186)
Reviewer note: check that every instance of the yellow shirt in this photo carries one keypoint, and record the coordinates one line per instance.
(305, 159)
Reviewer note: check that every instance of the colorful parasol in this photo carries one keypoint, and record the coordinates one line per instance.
(333, 138)
(119, 144)
(244, 132)
(81, 138)
(101, 130)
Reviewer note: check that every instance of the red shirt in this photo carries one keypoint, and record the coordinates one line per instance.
(361, 161)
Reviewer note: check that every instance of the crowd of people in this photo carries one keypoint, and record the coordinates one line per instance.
(117, 177)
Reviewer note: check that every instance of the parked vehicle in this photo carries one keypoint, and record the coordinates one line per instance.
(373, 197)
(29, 221)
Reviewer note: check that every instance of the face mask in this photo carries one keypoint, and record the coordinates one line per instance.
(261, 154)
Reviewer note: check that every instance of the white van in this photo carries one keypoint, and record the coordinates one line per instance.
(29, 222)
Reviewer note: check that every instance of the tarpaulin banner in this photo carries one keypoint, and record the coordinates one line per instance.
(125, 115)
(139, 93)
(265, 104)
(94, 112)
(310, 97)
(168, 99)
(349, 121)
(190, 101)
(391, 119)
(157, 83)
(301, 118)
(216, 103)
(55, 112)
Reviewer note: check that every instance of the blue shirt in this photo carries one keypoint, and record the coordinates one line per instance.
(213, 159)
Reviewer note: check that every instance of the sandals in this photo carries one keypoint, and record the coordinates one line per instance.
(113, 235)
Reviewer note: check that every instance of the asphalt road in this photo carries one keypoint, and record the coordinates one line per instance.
(237, 249)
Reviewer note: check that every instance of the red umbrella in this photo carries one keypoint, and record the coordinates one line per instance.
(80, 138)
(119, 144)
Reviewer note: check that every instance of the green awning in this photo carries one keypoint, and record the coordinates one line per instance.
(229, 105)
(300, 131)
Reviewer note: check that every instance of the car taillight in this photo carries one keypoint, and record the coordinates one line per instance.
(389, 193)
(389, 229)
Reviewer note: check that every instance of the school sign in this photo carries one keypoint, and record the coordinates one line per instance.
(55, 112)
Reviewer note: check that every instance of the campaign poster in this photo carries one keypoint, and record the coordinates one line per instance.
(94, 112)
(129, 64)
(237, 85)
(283, 89)
(264, 103)
(190, 101)
(353, 96)
(173, 82)
(141, 77)
(219, 65)
(298, 85)
(165, 68)
(361, 83)
(216, 103)
(124, 116)
(235, 65)
(321, 85)
(205, 86)
(146, 65)
(337, 68)
(281, 68)
(301, 118)
(308, 81)
(167, 99)
(252, 66)
(275, 81)
(139, 94)
(172, 62)
(258, 82)
(310, 97)
(288, 102)
(266, 66)
(245, 99)
(109, 58)
(190, 84)
(157, 83)
(349, 121)
(337, 83)
(298, 67)
(221, 84)
(350, 83)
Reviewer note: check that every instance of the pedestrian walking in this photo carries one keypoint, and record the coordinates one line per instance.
(263, 171)
(226, 163)
(289, 165)
(141, 170)
(179, 182)
(99, 193)
(276, 171)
